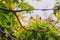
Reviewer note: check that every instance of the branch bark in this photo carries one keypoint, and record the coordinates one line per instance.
(7, 34)
(19, 21)
(27, 10)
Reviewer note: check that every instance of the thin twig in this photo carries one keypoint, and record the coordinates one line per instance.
(27, 9)
(7, 34)
(19, 21)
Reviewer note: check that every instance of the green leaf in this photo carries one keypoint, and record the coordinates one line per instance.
(25, 6)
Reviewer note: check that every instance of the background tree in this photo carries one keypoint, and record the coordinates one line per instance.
(11, 28)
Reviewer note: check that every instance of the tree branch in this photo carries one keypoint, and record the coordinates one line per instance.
(19, 21)
(7, 34)
(27, 9)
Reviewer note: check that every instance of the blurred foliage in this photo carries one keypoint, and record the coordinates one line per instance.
(38, 31)
(57, 12)
(35, 30)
